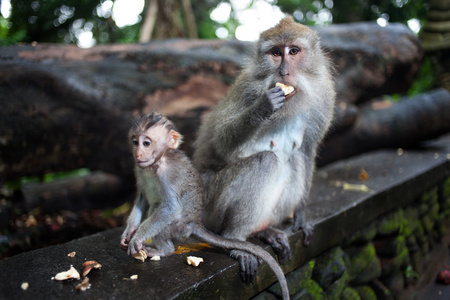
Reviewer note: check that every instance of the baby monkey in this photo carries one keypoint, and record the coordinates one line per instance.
(170, 198)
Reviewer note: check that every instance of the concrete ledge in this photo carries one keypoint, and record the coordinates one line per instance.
(394, 180)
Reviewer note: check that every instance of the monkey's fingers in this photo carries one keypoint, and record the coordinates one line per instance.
(248, 266)
(308, 229)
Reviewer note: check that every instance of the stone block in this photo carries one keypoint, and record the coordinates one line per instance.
(350, 294)
(390, 224)
(382, 292)
(395, 283)
(390, 246)
(366, 292)
(311, 291)
(297, 279)
(359, 260)
(334, 291)
(369, 273)
(395, 264)
(329, 267)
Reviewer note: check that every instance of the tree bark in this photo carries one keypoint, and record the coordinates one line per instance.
(404, 124)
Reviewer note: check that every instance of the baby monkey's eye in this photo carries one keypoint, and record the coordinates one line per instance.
(135, 142)
(294, 51)
(146, 144)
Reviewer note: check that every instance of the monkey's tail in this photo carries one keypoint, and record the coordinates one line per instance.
(220, 241)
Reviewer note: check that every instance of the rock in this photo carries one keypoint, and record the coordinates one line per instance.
(362, 263)
(390, 224)
(312, 291)
(363, 236)
(329, 268)
(390, 246)
(350, 294)
(366, 292)
(395, 283)
(297, 280)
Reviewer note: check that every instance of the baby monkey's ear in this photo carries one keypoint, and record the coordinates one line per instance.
(175, 139)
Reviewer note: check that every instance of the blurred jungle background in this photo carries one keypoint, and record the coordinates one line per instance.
(61, 105)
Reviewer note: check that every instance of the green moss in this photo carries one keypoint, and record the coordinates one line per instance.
(366, 293)
(329, 267)
(314, 290)
(297, 279)
(391, 223)
(430, 196)
(334, 291)
(350, 294)
(359, 258)
(363, 235)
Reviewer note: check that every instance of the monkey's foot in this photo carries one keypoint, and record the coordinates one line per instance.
(278, 240)
(248, 265)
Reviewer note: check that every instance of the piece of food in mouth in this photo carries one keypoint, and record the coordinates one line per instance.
(287, 89)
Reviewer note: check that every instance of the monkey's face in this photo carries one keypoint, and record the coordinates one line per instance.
(149, 146)
(143, 150)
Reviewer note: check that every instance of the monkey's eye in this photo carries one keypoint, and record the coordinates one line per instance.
(276, 52)
(146, 143)
(294, 51)
(135, 142)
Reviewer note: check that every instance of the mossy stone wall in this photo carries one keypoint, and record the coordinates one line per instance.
(379, 261)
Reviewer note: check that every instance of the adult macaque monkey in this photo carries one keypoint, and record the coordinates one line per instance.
(256, 149)
(169, 196)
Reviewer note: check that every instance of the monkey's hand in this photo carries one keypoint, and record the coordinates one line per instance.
(135, 246)
(273, 100)
(300, 222)
(248, 264)
(127, 235)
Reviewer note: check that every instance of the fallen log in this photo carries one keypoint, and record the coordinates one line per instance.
(400, 125)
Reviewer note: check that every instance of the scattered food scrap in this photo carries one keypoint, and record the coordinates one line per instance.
(71, 273)
(141, 255)
(71, 254)
(356, 187)
(89, 265)
(156, 257)
(132, 277)
(84, 285)
(194, 261)
(191, 247)
(363, 175)
(24, 286)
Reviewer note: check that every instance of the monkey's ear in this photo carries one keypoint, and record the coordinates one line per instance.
(175, 139)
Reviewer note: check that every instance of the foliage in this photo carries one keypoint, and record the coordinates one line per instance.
(62, 21)
(425, 79)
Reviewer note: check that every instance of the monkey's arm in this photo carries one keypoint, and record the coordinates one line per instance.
(139, 209)
(243, 116)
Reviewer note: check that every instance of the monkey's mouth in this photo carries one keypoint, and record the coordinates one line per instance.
(143, 164)
(288, 90)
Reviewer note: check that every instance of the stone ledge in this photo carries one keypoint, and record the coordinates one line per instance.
(394, 180)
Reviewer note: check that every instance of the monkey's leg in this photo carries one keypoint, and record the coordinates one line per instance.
(279, 241)
(163, 246)
(241, 200)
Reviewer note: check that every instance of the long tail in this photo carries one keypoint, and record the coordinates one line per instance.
(220, 241)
